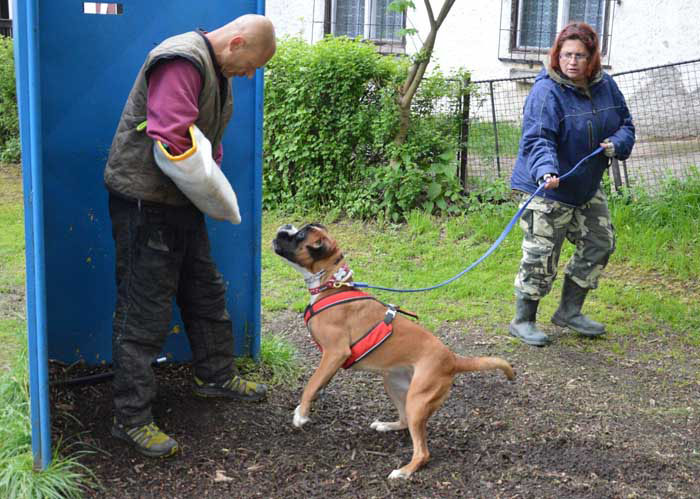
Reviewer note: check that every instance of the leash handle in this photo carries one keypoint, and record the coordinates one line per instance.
(493, 246)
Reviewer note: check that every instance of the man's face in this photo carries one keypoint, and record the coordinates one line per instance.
(242, 58)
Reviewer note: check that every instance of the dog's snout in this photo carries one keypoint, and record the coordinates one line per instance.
(287, 230)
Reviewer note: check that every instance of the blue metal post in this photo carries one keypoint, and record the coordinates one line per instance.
(25, 27)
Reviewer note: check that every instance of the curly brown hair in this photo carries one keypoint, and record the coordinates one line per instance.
(586, 35)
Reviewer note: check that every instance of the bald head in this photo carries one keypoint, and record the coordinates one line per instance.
(258, 30)
(243, 45)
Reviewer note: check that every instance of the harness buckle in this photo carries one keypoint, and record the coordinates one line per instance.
(338, 284)
(390, 314)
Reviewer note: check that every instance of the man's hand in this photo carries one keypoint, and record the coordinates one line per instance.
(550, 181)
(608, 148)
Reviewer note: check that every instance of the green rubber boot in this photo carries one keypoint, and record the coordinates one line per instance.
(569, 312)
(523, 325)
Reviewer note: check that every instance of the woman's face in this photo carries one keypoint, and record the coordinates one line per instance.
(573, 60)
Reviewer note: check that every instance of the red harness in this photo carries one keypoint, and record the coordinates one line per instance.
(379, 333)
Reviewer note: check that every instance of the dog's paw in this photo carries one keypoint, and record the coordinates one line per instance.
(386, 426)
(299, 420)
(396, 474)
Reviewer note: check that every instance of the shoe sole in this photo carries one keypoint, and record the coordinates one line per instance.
(227, 396)
(528, 342)
(562, 324)
(122, 436)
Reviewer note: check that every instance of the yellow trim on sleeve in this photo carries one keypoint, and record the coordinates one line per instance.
(185, 154)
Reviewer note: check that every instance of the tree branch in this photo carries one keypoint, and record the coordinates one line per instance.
(431, 16)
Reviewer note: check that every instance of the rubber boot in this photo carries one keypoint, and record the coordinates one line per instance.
(523, 325)
(569, 312)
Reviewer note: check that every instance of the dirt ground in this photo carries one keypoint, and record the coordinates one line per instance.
(576, 423)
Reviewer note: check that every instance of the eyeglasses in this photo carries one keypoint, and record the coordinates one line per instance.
(567, 56)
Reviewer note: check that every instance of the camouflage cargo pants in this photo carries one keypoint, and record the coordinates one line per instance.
(546, 224)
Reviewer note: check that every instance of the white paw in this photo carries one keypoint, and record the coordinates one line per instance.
(299, 420)
(385, 426)
(381, 426)
(398, 474)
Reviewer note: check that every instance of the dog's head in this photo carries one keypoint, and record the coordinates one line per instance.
(311, 248)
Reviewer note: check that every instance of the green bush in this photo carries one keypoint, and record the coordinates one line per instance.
(9, 122)
(330, 118)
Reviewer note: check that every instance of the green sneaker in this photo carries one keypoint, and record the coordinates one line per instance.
(147, 439)
(235, 388)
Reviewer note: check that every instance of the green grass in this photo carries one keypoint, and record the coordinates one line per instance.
(64, 478)
(11, 263)
(482, 139)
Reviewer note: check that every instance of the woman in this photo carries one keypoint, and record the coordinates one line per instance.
(573, 108)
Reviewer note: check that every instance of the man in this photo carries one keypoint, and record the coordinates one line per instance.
(161, 241)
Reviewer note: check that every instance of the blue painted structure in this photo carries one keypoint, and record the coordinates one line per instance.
(74, 72)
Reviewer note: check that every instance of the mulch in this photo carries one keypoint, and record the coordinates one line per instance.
(576, 423)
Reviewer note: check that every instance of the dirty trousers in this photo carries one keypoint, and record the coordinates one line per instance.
(163, 252)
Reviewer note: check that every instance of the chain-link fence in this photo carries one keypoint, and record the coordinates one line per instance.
(664, 102)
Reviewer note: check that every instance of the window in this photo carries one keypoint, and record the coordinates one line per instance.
(534, 24)
(4, 9)
(369, 19)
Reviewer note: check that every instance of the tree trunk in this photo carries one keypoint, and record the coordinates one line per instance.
(416, 72)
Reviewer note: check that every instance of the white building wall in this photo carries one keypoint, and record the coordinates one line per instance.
(296, 18)
(644, 32)
(654, 32)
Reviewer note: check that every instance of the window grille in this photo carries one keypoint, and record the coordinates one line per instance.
(367, 19)
(529, 27)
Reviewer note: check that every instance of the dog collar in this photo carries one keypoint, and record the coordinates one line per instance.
(338, 279)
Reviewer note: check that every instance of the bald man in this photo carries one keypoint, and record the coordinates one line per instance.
(175, 116)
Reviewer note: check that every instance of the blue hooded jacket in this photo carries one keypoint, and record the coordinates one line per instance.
(562, 123)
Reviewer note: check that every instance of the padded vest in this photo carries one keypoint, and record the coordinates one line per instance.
(131, 170)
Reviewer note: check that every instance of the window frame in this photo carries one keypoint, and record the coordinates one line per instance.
(518, 52)
(330, 24)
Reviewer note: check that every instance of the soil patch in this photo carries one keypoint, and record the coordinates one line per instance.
(575, 423)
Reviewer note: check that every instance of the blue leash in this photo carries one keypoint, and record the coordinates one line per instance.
(493, 247)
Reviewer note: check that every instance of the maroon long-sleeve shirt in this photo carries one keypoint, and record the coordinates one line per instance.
(173, 93)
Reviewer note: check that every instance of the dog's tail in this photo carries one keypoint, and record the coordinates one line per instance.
(466, 364)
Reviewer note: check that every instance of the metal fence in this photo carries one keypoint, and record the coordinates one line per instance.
(664, 102)
(6, 27)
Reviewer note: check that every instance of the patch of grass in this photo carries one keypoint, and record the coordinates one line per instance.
(64, 478)
(11, 339)
(482, 138)
(661, 232)
(278, 364)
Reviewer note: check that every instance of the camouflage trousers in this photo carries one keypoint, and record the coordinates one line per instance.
(546, 223)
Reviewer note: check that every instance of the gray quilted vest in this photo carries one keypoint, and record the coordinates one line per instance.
(131, 170)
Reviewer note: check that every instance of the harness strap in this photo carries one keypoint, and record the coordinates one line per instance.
(346, 297)
(333, 300)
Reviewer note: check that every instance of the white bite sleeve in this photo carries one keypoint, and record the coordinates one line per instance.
(199, 178)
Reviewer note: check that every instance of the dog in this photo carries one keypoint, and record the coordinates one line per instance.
(418, 369)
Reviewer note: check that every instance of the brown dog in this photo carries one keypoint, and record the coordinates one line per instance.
(417, 368)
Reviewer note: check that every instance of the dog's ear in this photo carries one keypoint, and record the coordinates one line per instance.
(319, 249)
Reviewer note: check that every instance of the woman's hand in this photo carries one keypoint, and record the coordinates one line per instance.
(608, 148)
(550, 180)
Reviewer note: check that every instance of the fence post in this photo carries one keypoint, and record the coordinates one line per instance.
(464, 133)
(615, 173)
(495, 130)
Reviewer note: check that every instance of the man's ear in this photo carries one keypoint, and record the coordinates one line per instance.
(237, 41)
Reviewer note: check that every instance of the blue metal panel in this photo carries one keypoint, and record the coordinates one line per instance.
(68, 115)
(84, 89)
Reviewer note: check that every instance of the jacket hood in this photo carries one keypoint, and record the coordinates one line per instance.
(562, 79)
